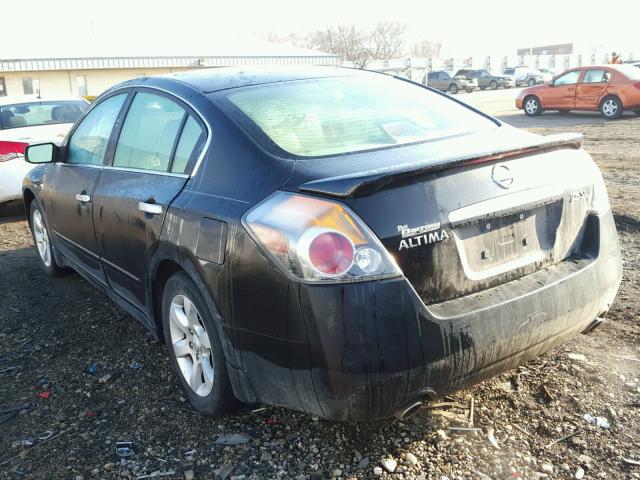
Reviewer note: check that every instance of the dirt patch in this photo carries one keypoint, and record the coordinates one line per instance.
(83, 375)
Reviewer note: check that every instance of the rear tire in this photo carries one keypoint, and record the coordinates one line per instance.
(531, 82)
(482, 88)
(532, 106)
(453, 89)
(611, 107)
(42, 240)
(493, 85)
(194, 347)
(469, 90)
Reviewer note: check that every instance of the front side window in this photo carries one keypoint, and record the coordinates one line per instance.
(332, 116)
(568, 78)
(35, 114)
(88, 143)
(596, 76)
(149, 133)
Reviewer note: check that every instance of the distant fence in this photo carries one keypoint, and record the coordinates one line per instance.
(411, 67)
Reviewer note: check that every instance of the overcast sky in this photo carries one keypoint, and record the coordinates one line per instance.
(116, 27)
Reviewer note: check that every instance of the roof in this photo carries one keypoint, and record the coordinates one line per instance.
(216, 79)
(163, 53)
(15, 99)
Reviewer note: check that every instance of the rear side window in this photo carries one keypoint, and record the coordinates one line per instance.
(88, 143)
(596, 76)
(189, 146)
(149, 133)
(36, 114)
(332, 116)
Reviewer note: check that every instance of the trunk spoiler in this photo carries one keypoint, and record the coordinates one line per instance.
(365, 183)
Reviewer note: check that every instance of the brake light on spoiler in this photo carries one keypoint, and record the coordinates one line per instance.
(11, 150)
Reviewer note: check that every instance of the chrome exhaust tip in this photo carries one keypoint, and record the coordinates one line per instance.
(408, 410)
(593, 325)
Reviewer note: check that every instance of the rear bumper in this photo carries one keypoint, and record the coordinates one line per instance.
(373, 348)
(11, 175)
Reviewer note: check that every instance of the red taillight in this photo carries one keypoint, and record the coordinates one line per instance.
(637, 85)
(331, 253)
(11, 150)
(318, 240)
(12, 147)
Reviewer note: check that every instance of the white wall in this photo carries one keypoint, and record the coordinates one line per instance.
(65, 82)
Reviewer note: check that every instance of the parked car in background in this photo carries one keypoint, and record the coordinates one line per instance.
(25, 120)
(335, 241)
(524, 76)
(441, 80)
(547, 74)
(486, 79)
(611, 89)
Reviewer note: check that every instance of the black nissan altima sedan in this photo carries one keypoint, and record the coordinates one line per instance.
(339, 242)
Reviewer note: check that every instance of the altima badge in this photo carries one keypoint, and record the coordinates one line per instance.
(422, 235)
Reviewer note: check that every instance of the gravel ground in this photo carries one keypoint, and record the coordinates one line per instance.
(530, 422)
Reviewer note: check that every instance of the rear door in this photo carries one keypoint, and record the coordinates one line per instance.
(69, 201)
(157, 148)
(562, 94)
(592, 88)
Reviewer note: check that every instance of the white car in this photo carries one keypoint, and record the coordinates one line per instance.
(30, 119)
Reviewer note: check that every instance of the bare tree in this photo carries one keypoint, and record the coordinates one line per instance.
(345, 40)
(387, 40)
(427, 49)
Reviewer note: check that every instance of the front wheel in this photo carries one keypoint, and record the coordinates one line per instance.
(453, 89)
(532, 106)
(469, 90)
(194, 347)
(493, 85)
(41, 238)
(611, 107)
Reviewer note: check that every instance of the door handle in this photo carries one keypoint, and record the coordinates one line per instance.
(152, 208)
(83, 198)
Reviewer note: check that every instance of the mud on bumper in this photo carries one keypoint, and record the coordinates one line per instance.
(375, 347)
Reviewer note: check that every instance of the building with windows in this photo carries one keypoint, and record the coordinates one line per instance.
(89, 76)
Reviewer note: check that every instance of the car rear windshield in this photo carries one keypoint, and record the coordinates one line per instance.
(333, 116)
(40, 113)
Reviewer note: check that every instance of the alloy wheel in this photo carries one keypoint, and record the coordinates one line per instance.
(531, 106)
(42, 238)
(191, 345)
(610, 108)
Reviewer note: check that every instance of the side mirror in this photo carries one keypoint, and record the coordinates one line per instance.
(40, 153)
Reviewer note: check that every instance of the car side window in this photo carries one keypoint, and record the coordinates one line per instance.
(189, 146)
(149, 133)
(568, 78)
(88, 143)
(595, 76)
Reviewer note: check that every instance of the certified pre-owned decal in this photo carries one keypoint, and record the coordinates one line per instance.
(423, 235)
